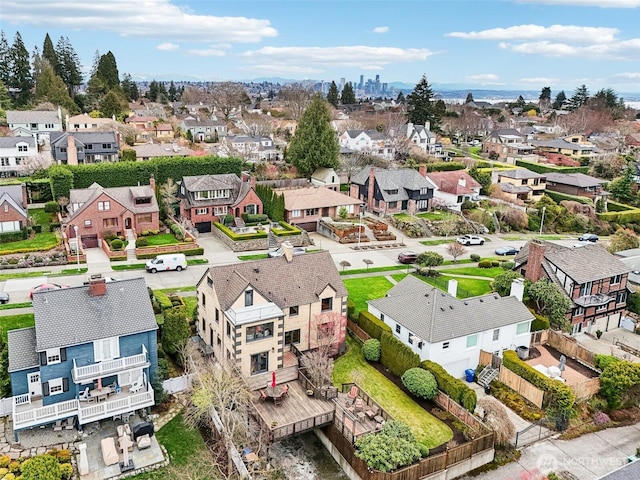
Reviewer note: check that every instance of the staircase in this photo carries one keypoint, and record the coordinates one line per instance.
(131, 245)
(488, 375)
(273, 241)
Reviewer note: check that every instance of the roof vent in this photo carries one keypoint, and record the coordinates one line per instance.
(257, 270)
(481, 300)
(442, 308)
(450, 307)
(466, 303)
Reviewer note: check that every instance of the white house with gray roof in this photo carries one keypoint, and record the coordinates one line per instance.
(15, 152)
(368, 141)
(38, 122)
(450, 331)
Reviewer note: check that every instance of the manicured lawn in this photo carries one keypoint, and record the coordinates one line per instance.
(435, 215)
(437, 242)
(161, 239)
(41, 242)
(41, 217)
(140, 266)
(467, 287)
(11, 322)
(390, 268)
(363, 289)
(22, 274)
(256, 256)
(11, 306)
(476, 272)
(427, 429)
(188, 288)
(514, 238)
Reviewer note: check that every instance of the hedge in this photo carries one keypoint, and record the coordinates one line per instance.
(619, 207)
(372, 325)
(494, 165)
(546, 168)
(163, 300)
(239, 236)
(255, 218)
(351, 307)
(187, 253)
(16, 236)
(445, 166)
(540, 323)
(628, 216)
(452, 386)
(397, 356)
(286, 230)
(559, 197)
(62, 180)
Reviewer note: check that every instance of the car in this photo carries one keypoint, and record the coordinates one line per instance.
(589, 237)
(470, 240)
(45, 287)
(4, 297)
(279, 252)
(407, 257)
(507, 251)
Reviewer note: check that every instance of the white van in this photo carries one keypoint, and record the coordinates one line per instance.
(173, 261)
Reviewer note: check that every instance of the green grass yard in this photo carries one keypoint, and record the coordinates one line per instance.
(161, 239)
(363, 289)
(11, 322)
(437, 242)
(352, 366)
(467, 287)
(492, 272)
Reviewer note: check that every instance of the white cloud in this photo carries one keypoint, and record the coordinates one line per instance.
(539, 80)
(591, 3)
(483, 78)
(281, 69)
(206, 52)
(380, 30)
(572, 33)
(626, 77)
(370, 58)
(168, 47)
(624, 50)
(156, 19)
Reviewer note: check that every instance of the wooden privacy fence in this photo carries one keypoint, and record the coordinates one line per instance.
(586, 389)
(570, 347)
(358, 332)
(520, 385)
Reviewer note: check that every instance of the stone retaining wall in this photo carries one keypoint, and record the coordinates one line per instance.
(256, 243)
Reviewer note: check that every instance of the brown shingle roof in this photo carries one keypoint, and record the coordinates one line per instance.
(315, 197)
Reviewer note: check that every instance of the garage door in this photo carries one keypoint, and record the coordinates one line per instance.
(605, 323)
(203, 227)
(89, 241)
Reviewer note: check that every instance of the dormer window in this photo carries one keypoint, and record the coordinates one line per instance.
(143, 201)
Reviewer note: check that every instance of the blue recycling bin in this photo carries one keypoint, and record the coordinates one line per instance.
(470, 373)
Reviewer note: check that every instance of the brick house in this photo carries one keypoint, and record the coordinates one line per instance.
(13, 208)
(206, 199)
(95, 210)
(594, 280)
(576, 184)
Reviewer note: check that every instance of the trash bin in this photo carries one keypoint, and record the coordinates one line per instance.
(470, 373)
(487, 389)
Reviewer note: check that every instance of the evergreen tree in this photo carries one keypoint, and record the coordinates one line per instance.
(469, 98)
(69, 67)
(96, 89)
(400, 98)
(5, 100)
(579, 98)
(153, 92)
(520, 101)
(314, 144)
(94, 63)
(173, 92)
(130, 88)
(545, 98)
(107, 70)
(36, 63)
(420, 108)
(20, 71)
(113, 103)
(5, 65)
(51, 88)
(560, 100)
(332, 94)
(348, 96)
(49, 53)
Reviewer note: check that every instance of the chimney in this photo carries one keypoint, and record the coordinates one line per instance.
(287, 250)
(422, 169)
(409, 129)
(25, 199)
(152, 183)
(517, 288)
(427, 126)
(66, 122)
(371, 189)
(97, 286)
(534, 261)
(72, 151)
(452, 288)
(462, 181)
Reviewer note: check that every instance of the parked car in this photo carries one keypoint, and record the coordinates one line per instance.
(172, 261)
(279, 252)
(45, 287)
(470, 240)
(507, 250)
(588, 237)
(407, 257)
(4, 297)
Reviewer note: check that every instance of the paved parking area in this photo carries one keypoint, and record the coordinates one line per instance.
(605, 345)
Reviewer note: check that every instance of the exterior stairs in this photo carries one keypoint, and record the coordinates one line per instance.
(488, 375)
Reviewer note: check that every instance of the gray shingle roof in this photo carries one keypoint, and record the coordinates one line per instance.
(59, 139)
(584, 264)
(166, 150)
(14, 191)
(401, 179)
(574, 179)
(561, 143)
(32, 116)
(71, 316)
(284, 283)
(22, 349)
(436, 316)
(630, 471)
(11, 142)
(225, 181)
(125, 196)
(519, 173)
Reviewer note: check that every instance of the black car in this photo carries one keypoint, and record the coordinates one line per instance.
(588, 237)
(507, 250)
(407, 257)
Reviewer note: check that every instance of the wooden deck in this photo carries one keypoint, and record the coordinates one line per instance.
(297, 413)
(353, 425)
(284, 375)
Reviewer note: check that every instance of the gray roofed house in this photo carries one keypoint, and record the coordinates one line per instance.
(15, 153)
(368, 141)
(153, 150)
(448, 330)
(75, 148)
(23, 353)
(38, 122)
(203, 128)
(576, 184)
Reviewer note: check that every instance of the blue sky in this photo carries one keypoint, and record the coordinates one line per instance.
(508, 44)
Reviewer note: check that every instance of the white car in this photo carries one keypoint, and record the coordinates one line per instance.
(470, 240)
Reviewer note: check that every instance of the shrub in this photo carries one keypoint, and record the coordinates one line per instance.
(484, 264)
(601, 418)
(507, 265)
(54, 226)
(351, 307)
(175, 331)
(391, 448)
(108, 235)
(163, 299)
(603, 361)
(371, 350)
(51, 207)
(469, 399)
(450, 385)
(618, 383)
(540, 323)
(372, 325)
(474, 257)
(397, 356)
(142, 242)
(420, 383)
(116, 244)
(495, 263)
(41, 467)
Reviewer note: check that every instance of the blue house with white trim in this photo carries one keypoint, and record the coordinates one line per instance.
(90, 356)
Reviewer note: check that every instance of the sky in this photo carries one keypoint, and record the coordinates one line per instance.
(478, 44)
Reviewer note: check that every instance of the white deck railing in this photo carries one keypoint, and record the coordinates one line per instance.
(110, 367)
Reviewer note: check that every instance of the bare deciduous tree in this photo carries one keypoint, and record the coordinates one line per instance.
(328, 330)
(296, 97)
(227, 96)
(455, 250)
(494, 415)
(38, 162)
(258, 124)
(448, 225)
(168, 195)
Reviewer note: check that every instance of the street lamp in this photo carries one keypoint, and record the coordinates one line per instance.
(544, 209)
(75, 229)
(359, 229)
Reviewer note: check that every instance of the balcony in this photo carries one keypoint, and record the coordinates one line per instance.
(593, 300)
(88, 373)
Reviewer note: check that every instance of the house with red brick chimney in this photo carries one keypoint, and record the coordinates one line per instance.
(594, 280)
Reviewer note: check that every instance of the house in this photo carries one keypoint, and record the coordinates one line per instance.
(83, 122)
(425, 139)
(521, 183)
(393, 191)
(203, 129)
(441, 328)
(369, 142)
(206, 199)
(574, 146)
(594, 280)
(14, 153)
(251, 147)
(631, 258)
(507, 144)
(74, 148)
(153, 150)
(86, 336)
(577, 184)
(251, 313)
(35, 122)
(454, 188)
(303, 207)
(149, 128)
(13, 208)
(326, 177)
(96, 210)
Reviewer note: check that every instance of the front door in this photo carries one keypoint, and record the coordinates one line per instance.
(127, 223)
(35, 388)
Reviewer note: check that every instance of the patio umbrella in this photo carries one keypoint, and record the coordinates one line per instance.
(99, 383)
(273, 379)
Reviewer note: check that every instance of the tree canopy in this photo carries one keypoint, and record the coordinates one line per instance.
(332, 94)
(420, 106)
(348, 96)
(550, 301)
(315, 144)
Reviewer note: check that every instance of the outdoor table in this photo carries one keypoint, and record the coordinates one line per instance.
(100, 393)
(378, 419)
(275, 393)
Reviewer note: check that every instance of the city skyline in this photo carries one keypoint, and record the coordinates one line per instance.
(497, 44)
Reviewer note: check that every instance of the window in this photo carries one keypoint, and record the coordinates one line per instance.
(248, 298)
(48, 125)
(522, 328)
(293, 311)
(89, 146)
(398, 328)
(103, 206)
(228, 329)
(410, 339)
(445, 345)
(309, 212)
(23, 148)
(217, 316)
(496, 334)
(63, 149)
(55, 386)
(143, 201)
(327, 304)
(420, 345)
(145, 218)
(472, 340)
(616, 279)
(87, 223)
(621, 297)
(53, 356)
(220, 210)
(326, 330)
(6, 208)
(258, 332)
(292, 337)
(524, 181)
(585, 289)
(578, 312)
(392, 204)
(204, 300)
(202, 211)
(106, 349)
(110, 222)
(259, 363)
(206, 194)
(296, 213)
(392, 192)
(602, 308)
(106, 146)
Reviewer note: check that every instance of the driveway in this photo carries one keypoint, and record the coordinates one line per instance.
(605, 345)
